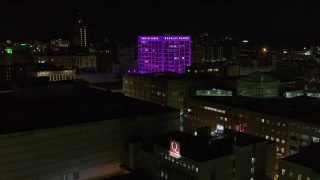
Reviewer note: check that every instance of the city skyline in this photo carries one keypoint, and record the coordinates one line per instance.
(270, 20)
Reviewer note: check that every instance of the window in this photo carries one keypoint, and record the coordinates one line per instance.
(282, 150)
(283, 171)
(283, 141)
(290, 174)
(262, 120)
(277, 139)
(252, 160)
(252, 170)
(267, 137)
(299, 177)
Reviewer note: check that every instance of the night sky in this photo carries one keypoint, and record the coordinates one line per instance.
(46, 19)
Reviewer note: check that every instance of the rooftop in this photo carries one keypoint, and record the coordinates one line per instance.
(304, 109)
(198, 148)
(167, 76)
(309, 157)
(93, 105)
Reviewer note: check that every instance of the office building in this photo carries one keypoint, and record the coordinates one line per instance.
(61, 61)
(292, 123)
(55, 75)
(164, 53)
(224, 156)
(80, 34)
(80, 133)
(302, 166)
(85, 62)
(162, 88)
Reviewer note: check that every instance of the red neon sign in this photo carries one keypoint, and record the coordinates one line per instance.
(174, 147)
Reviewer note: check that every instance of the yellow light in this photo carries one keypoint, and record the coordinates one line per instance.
(264, 49)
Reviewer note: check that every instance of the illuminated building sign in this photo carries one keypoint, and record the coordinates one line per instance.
(164, 54)
(9, 50)
(214, 109)
(174, 148)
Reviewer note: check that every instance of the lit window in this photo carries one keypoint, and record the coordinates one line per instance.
(225, 119)
(277, 139)
(272, 138)
(283, 171)
(252, 160)
(283, 141)
(197, 169)
(290, 174)
(262, 120)
(299, 177)
(195, 133)
(267, 137)
(282, 150)
(252, 170)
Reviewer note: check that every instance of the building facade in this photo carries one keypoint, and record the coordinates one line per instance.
(302, 166)
(79, 138)
(165, 89)
(286, 121)
(164, 53)
(182, 156)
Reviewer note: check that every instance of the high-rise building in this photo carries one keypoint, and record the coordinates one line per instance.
(164, 53)
(80, 34)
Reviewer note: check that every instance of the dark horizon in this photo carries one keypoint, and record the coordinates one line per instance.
(285, 23)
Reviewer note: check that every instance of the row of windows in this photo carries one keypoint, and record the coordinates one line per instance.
(291, 174)
(180, 162)
(270, 122)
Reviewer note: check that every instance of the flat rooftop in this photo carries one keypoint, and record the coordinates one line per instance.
(167, 76)
(304, 109)
(198, 148)
(309, 157)
(94, 105)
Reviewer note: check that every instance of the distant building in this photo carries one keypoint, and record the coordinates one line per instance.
(229, 155)
(80, 34)
(55, 75)
(164, 53)
(258, 85)
(85, 62)
(162, 88)
(61, 61)
(60, 43)
(302, 166)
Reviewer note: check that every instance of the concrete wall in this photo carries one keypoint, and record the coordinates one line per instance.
(85, 150)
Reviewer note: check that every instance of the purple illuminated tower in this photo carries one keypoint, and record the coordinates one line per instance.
(164, 53)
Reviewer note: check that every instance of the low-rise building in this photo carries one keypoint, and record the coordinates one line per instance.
(226, 156)
(79, 136)
(302, 166)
